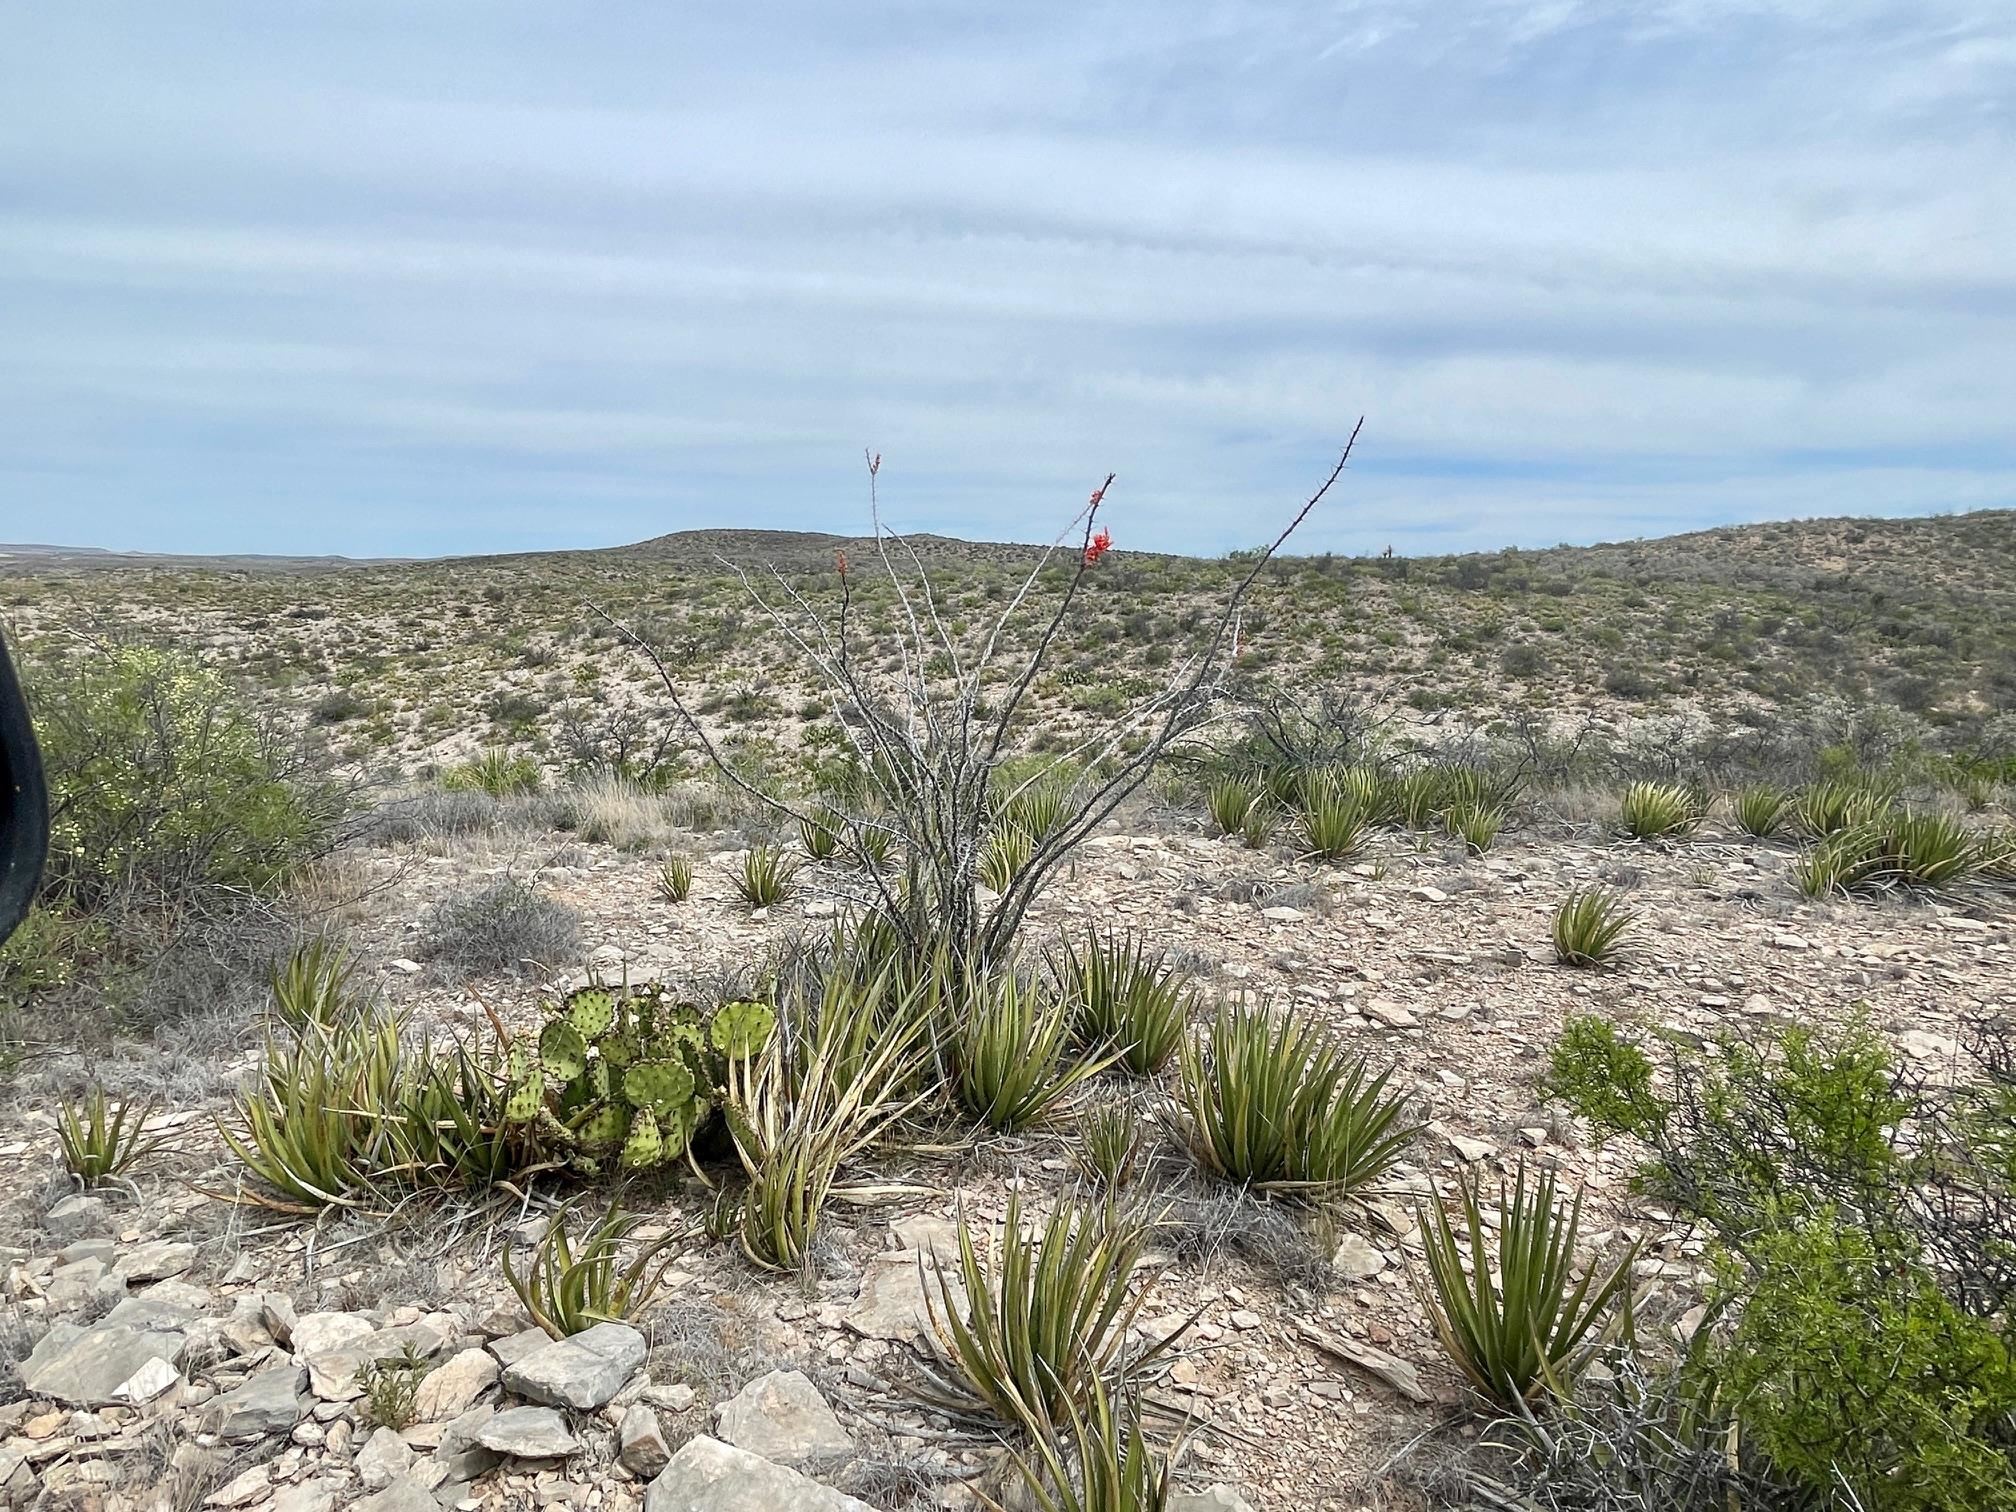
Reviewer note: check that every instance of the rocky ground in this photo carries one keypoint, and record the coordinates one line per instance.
(189, 1352)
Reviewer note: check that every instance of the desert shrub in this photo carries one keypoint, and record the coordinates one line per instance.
(1867, 1223)
(1604, 1077)
(498, 926)
(392, 1388)
(180, 816)
(1267, 1101)
(431, 815)
(1525, 1324)
(1589, 927)
(496, 772)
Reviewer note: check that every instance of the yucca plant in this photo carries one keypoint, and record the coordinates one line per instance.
(1024, 1331)
(1833, 806)
(1111, 1145)
(870, 845)
(1417, 797)
(450, 1130)
(827, 1083)
(1932, 850)
(1039, 805)
(819, 834)
(496, 772)
(1228, 801)
(1845, 861)
(1009, 1053)
(1659, 811)
(569, 1290)
(675, 879)
(1124, 996)
(1476, 825)
(1268, 1101)
(1263, 817)
(1008, 851)
(101, 1139)
(1759, 809)
(313, 1125)
(1331, 822)
(1370, 789)
(1526, 1324)
(316, 984)
(1097, 1460)
(768, 876)
(1589, 927)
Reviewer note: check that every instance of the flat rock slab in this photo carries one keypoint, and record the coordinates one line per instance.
(583, 1372)
(528, 1433)
(782, 1417)
(86, 1366)
(269, 1402)
(452, 1390)
(707, 1475)
(892, 1302)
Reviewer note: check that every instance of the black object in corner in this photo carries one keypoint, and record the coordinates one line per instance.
(24, 803)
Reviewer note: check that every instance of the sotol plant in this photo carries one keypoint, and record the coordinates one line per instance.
(1124, 996)
(1589, 927)
(101, 1139)
(1659, 811)
(569, 1288)
(1010, 1053)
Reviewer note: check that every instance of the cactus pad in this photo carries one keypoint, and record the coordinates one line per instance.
(620, 1047)
(525, 1098)
(660, 1086)
(739, 1030)
(644, 1147)
(591, 1010)
(563, 1053)
(605, 1126)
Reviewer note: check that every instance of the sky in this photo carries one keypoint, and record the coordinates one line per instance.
(447, 276)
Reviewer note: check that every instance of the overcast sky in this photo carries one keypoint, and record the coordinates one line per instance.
(427, 277)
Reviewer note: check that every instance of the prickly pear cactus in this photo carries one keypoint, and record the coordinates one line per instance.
(660, 1086)
(739, 1030)
(592, 1011)
(644, 1147)
(563, 1051)
(524, 1087)
(605, 1127)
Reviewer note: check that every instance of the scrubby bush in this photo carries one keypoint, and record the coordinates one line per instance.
(496, 771)
(1866, 1219)
(179, 818)
(498, 926)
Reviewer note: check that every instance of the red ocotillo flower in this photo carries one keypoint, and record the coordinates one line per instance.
(840, 563)
(1098, 546)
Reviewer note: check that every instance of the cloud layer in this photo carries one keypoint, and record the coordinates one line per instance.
(467, 276)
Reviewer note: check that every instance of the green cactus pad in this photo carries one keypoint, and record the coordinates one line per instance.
(605, 1126)
(598, 1082)
(591, 1010)
(644, 1147)
(562, 1051)
(739, 1030)
(620, 1047)
(661, 1086)
(526, 1097)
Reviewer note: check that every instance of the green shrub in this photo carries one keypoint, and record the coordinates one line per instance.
(1269, 1102)
(1589, 927)
(496, 772)
(1603, 1077)
(1853, 1373)
(392, 1388)
(1523, 1325)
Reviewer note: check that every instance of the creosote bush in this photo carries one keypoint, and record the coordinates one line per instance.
(498, 926)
